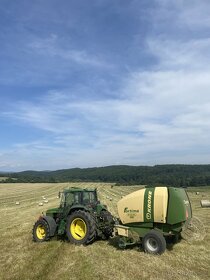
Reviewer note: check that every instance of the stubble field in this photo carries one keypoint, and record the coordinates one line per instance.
(21, 258)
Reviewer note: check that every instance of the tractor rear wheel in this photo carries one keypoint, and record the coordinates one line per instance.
(154, 242)
(80, 228)
(41, 231)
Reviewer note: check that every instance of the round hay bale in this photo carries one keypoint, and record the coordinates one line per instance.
(205, 203)
(17, 203)
(110, 199)
(45, 201)
(40, 204)
(57, 196)
(197, 193)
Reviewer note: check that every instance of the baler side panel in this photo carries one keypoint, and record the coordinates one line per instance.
(177, 207)
(131, 207)
(160, 204)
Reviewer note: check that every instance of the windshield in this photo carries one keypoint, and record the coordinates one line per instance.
(86, 197)
(89, 197)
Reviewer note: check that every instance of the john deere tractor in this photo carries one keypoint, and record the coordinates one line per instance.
(81, 217)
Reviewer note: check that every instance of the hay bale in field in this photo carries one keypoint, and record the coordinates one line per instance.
(17, 203)
(107, 197)
(197, 193)
(110, 199)
(40, 204)
(45, 201)
(57, 197)
(205, 203)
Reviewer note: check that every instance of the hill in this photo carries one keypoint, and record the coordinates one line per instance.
(175, 174)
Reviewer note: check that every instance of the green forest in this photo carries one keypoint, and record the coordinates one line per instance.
(169, 175)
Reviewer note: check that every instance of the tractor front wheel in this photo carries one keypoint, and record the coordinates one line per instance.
(154, 243)
(41, 231)
(80, 228)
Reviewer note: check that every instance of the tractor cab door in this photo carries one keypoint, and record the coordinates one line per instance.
(69, 199)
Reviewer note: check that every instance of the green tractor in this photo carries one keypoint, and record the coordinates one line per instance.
(81, 217)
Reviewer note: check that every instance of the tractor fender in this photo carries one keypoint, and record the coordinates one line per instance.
(52, 224)
(76, 208)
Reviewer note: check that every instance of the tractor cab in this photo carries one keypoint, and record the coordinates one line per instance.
(75, 196)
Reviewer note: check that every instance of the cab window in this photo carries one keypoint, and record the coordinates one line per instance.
(69, 198)
(89, 197)
(77, 198)
(92, 197)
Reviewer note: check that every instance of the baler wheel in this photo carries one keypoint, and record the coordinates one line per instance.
(154, 243)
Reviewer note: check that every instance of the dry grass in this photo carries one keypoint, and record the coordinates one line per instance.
(21, 258)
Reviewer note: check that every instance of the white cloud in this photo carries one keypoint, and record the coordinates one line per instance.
(188, 15)
(50, 47)
(161, 117)
(196, 14)
(181, 55)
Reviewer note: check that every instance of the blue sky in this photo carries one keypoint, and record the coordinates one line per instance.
(95, 83)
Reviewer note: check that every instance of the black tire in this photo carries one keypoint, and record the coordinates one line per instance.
(80, 228)
(41, 231)
(108, 221)
(154, 243)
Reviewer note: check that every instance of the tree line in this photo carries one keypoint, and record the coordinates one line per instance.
(171, 175)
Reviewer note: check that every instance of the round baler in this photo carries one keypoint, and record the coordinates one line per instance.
(150, 215)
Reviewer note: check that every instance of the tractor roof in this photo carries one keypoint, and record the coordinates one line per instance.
(76, 189)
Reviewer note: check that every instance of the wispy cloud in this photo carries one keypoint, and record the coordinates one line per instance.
(50, 47)
(183, 15)
(161, 115)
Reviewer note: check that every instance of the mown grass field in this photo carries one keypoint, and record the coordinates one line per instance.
(21, 258)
